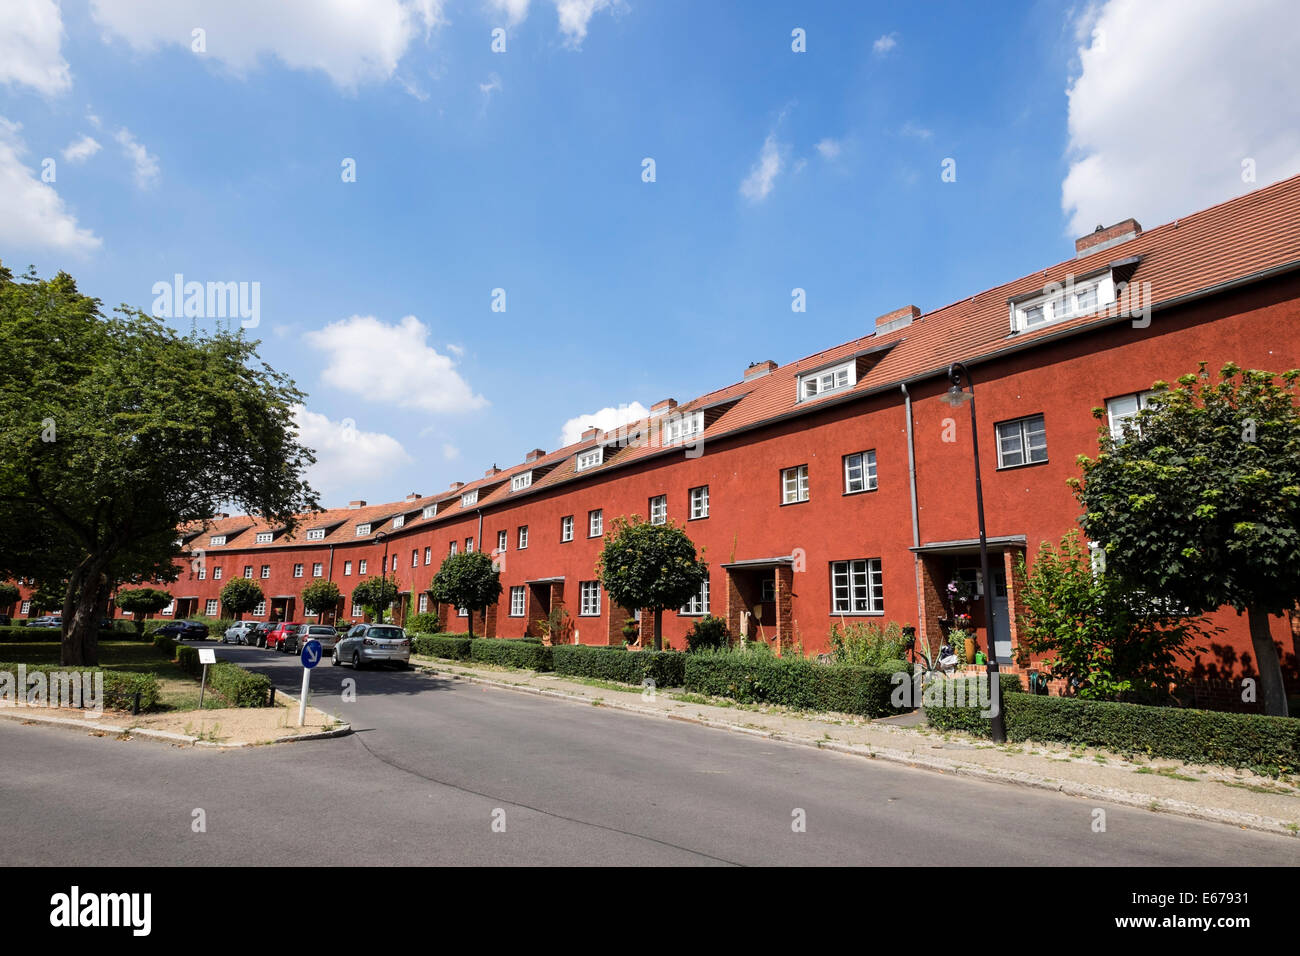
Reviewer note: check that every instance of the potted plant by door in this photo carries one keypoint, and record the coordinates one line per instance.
(964, 632)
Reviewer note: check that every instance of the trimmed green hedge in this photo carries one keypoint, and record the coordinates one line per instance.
(755, 677)
(450, 646)
(165, 645)
(523, 654)
(1251, 741)
(40, 635)
(239, 687)
(119, 686)
(665, 668)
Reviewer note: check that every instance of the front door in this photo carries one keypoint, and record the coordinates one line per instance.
(1001, 619)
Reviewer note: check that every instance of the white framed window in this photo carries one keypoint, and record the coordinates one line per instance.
(266, 570)
(857, 587)
(699, 603)
(210, 607)
(170, 608)
(469, 545)
(248, 570)
(316, 534)
(399, 521)
(589, 599)
(860, 472)
(1022, 442)
(794, 484)
(1123, 409)
(317, 570)
(430, 510)
(394, 567)
(566, 528)
(699, 502)
(415, 557)
(595, 523)
(216, 574)
(590, 458)
(216, 541)
(469, 498)
(265, 537)
(347, 569)
(363, 530)
(523, 536)
(521, 481)
(297, 570)
(681, 428)
(452, 550)
(517, 601)
(424, 603)
(357, 609)
(462, 612)
(822, 381)
(428, 556)
(26, 608)
(659, 509)
(1061, 301)
(260, 609)
(361, 566)
(503, 539)
(203, 573)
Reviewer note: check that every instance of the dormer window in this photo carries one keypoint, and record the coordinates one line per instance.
(316, 534)
(1061, 301)
(216, 541)
(590, 458)
(838, 378)
(430, 510)
(520, 482)
(399, 521)
(265, 537)
(469, 498)
(682, 428)
(363, 530)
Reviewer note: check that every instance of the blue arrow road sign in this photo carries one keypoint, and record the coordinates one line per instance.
(311, 654)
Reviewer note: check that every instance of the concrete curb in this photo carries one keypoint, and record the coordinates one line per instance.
(1128, 798)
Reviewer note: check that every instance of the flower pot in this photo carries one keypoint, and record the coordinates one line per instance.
(970, 648)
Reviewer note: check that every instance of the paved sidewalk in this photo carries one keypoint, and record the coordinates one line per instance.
(1220, 794)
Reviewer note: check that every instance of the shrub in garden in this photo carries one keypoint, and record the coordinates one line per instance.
(707, 633)
(450, 646)
(665, 668)
(523, 654)
(867, 644)
(425, 622)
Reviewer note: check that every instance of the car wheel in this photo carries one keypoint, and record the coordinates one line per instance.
(356, 660)
(334, 659)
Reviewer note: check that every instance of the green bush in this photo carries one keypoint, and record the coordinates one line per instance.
(523, 654)
(1251, 741)
(450, 646)
(752, 676)
(165, 645)
(120, 687)
(867, 644)
(22, 634)
(665, 668)
(708, 632)
(424, 623)
(239, 687)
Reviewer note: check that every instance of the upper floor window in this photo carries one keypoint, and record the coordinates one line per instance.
(399, 521)
(1124, 409)
(566, 528)
(266, 571)
(430, 510)
(1061, 301)
(362, 530)
(203, 573)
(361, 566)
(428, 555)
(316, 534)
(519, 482)
(700, 502)
(216, 541)
(679, 428)
(1022, 442)
(812, 384)
(317, 570)
(297, 570)
(265, 537)
(394, 567)
(859, 472)
(469, 545)
(502, 540)
(216, 574)
(469, 498)
(595, 523)
(248, 570)
(794, 484)
(590, 458)
(659, 509)
(452, 551)
(523, 536)
(415, 557)
(347, 569)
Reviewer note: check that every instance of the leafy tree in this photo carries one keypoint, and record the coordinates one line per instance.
(321, 596)
(9, 593)
(375, 594)
(117, 430)
(1198, 502)
(650, 566)
(142, 602)
(1108, 641)
(48, 597)
(241, 595)
(469, 580)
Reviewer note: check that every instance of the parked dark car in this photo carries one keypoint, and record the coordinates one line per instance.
(185, 630)
(257, 636)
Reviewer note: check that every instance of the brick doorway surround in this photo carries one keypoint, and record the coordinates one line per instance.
(760, 600)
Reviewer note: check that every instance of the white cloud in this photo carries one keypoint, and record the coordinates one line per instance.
(455, 350)
(491, 86)
(145, 162)
(762, 176)
(916, 131)
(515, 10)
(393, 364)
(450, 451)
(885, 44)
(829, 148)
(1171, 97)
(81, 150)
(346, 457)
(31, 212)
(574, 17)
(29, 46)
(605, 419)
(351, 41)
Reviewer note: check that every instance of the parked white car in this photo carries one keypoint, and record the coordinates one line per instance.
(238, 632)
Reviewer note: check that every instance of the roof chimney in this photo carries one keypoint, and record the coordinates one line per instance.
(591, 432)
(1103, 237)
(533, 455)
(759, 369)
(658, 408)
(221, 514)
(457, 485)
(354, 505)
(494, 470)
(898, 319)
(413, 496)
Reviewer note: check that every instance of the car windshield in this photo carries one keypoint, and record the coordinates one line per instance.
(322, 630)
(385, 633)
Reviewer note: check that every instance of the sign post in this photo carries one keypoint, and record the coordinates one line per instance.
(206, 656)
(310, 658)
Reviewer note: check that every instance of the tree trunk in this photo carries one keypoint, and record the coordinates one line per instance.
(470, 617)
(1273, 691)
(80, 646)
(659, 629)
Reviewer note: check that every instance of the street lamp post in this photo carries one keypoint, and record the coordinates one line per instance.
(956, 397)
(383, 572)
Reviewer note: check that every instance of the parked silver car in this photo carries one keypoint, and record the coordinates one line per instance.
(374, 643)
(294, 640)
(238, 632)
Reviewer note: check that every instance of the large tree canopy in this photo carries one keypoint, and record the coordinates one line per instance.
(116, 430)
(469, 580)
(651, 567)
(1198, 502)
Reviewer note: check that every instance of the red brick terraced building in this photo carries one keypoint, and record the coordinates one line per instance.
(838, 486)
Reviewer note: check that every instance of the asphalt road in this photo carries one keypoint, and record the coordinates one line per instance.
(434, 763)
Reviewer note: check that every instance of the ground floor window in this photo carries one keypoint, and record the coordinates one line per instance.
(699, 603)
(260, 610)
(857, 587)
(27, 606)
(424, 603)
(517, 601)
(589, 604)
(211, 608)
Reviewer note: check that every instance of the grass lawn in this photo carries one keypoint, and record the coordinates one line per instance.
(177, 690)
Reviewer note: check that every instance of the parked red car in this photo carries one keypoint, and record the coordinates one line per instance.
(275, 637)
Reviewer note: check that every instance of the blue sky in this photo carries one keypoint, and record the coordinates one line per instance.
(522, 171)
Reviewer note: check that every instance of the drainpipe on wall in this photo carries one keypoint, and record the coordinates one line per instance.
(916, 523)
